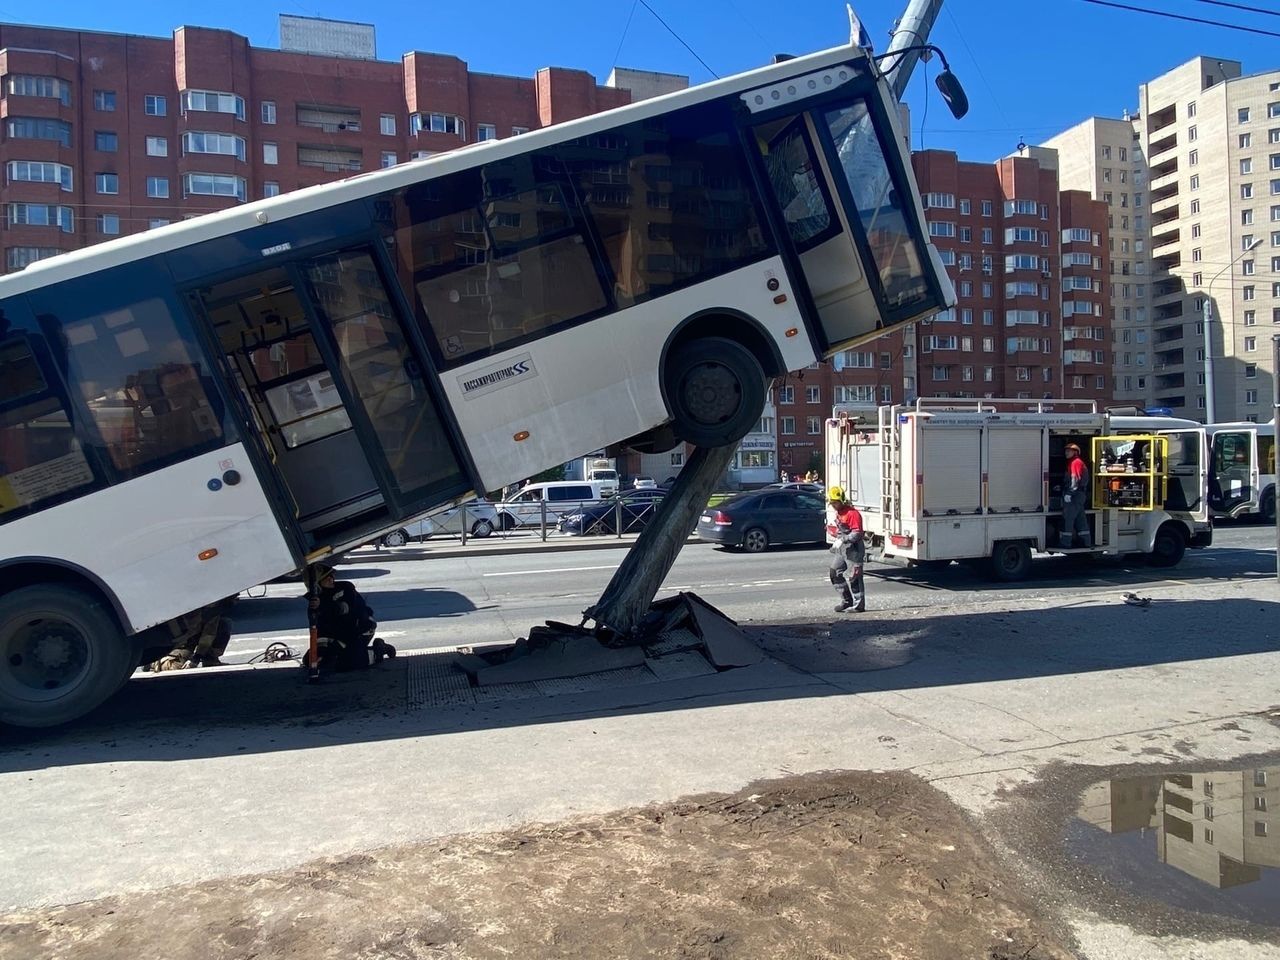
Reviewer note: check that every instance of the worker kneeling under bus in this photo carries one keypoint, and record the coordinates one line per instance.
(1075, 500)
(344, 624)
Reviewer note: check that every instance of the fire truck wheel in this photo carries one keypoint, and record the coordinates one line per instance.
(1168, 547)
(1011, 560)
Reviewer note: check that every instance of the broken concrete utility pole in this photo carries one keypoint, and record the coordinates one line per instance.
(629, 595)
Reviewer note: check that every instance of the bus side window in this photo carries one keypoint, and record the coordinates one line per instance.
(136, 369)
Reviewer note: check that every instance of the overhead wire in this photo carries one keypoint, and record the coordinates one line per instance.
(1241, 6)
(626, 27)
(679, 38)
(1182, 16)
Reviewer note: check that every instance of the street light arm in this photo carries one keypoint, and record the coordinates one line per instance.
(1210, 407)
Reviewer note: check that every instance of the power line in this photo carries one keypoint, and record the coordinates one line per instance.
(680, 39)
(1241, 6)
(1179, 16)
(622, 39)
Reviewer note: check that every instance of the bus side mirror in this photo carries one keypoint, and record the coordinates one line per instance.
(952, 93)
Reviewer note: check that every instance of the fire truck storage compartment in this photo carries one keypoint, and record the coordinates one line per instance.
(864, 472)
(952, 538)
(1015, 481)
(951, 462)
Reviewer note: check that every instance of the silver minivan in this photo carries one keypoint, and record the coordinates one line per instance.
(549, 499)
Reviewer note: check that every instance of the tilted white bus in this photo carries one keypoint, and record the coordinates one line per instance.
(193, 410)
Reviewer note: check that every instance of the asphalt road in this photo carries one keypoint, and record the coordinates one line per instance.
(424, 601)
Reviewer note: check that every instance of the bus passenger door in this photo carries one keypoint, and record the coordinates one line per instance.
(1190, 475)
(819, 238)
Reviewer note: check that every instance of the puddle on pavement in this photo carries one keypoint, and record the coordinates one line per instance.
(1204, 841)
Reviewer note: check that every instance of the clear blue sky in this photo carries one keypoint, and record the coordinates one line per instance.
(1030, 67)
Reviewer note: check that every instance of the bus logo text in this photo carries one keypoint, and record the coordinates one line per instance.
(486, 381)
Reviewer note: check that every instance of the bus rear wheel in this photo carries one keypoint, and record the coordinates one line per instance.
(715, 388)
(61, 654)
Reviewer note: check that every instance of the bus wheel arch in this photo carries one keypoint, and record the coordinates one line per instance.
(1168, 545)
(62, 650)
(714, 370)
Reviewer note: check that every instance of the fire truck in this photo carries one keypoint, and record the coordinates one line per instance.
(980, 481)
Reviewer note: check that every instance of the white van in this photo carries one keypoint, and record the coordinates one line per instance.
(560, 496)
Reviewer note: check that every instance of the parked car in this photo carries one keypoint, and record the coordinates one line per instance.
(798, 485)
(758, 520)
(551, 499)
(482, 520)
(637, 506)
(644, 483)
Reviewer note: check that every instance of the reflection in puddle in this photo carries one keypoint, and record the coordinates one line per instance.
(1200, 841)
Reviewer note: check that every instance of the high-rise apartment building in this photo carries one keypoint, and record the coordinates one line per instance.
(1200, 211)
(108, 134)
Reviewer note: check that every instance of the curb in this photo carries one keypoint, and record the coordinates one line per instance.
(503, 548)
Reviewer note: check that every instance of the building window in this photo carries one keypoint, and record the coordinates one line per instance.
(1242, 115)
(42, 215)
(158, 187)
(270, 154)
(986, 208)
(105, 140)
(1246, 191)
(35, 128)
(964, 208)
(104, 100)
(387, 124)
(271, 189)
(1251, 316)
(214, 101)
(109, 224)
(787, 425)
(106, 183)
(1259, 828)
(35, 171)
(1193, 158)
(438, 123)
(157, 146)
(268, 111)
(486, 131)
(221, 144)
(388, 158)
(155, 222)
(213, 185)
(516, 131)
(1194, 183)
(813, 394)
(814, 425)
(1251, 397)
(1250, 344)
(25, 85)
(20, 257)
(154, 105)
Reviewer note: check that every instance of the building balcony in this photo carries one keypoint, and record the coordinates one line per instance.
(1161, 183)
(1169, 360)
(1165, 262)
(1168, 336)
(1163, 169)
(1164, 205)
(1168, 287)
(1168, 212)
(1167, 311)
(1160, 119)
(1163, 191)
(329, 119)
(1164, 239)
(1170, 381)
(1162, 145)
(330, 159)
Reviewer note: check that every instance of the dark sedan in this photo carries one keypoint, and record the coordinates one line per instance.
(634, 508)
(755, 521)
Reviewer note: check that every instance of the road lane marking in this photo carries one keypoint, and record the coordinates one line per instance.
(525, 573)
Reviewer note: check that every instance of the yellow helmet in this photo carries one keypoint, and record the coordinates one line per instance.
(835, 493)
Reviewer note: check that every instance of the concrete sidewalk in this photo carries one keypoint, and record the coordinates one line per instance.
(987, 699)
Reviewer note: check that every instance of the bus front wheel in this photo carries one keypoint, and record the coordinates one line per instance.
(716, 391)
(61, 654)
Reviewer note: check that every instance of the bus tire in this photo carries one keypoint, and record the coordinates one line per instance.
(715, 388)
(1168, 546)
(1011, 560)
(62, 653)
(1267, 508)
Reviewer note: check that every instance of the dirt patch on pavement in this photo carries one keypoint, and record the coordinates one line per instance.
(820, 866)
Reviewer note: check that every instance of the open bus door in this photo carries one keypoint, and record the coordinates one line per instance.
(329, 373)
(843, 198)
(1235, 467)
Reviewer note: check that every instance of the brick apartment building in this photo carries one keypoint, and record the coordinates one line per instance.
(109, 134)
(1032, 272)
